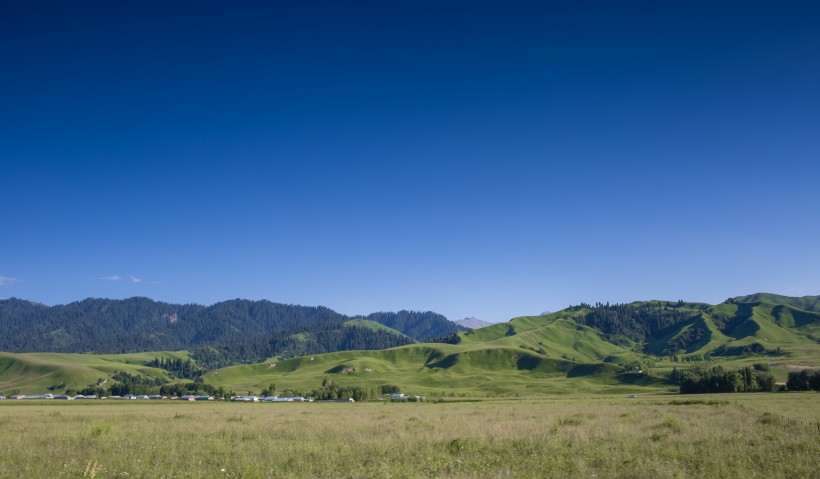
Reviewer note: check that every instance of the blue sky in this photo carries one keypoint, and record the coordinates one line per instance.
(475, 159)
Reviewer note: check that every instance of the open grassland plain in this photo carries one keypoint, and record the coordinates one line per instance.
(656, 436)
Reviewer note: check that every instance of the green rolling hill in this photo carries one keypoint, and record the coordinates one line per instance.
(806, 303)
(551, 336)
(435, 369)
(36, 373)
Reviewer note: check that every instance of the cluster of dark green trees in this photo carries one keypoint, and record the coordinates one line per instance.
(686, 340)
(195, 387)
(138, 384)
(179, 368)
(805, 380)
(331, 390)
(726, 323)
(421, 326)
(637, 322)
(123, 383)
(755, 378)
(716, 379)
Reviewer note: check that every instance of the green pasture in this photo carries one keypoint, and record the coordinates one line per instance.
(613, 436)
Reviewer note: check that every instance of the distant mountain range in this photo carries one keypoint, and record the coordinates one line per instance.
(240, 330)
(472, 323)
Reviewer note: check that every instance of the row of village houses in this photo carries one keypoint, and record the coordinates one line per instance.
(189, 397)
(193, 397)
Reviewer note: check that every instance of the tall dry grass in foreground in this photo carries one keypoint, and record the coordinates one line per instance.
(597, 437)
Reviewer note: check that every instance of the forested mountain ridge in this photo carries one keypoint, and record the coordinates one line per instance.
(244, 330)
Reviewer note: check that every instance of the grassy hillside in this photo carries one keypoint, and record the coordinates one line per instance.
(806, 303)
(733, 329)
(374, 326)
(528, 355)
(34, 373)
(432, 370)
(551, 336)
(710, 338)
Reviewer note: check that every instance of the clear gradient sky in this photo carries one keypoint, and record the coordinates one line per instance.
(486, 159)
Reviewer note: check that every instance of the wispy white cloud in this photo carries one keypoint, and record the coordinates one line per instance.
(6, 281)
(117, 277)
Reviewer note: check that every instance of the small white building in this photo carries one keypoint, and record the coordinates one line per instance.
(245, 398)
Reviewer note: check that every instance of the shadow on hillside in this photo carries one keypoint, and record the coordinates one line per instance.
(799, 318)
(528, 363)
(742, 324)
(582, 370)
(446, 363)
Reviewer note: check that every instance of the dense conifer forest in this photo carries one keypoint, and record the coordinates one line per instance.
(636, 321)
(229, 332)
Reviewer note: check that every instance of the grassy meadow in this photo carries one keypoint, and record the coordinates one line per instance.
(652, 436)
